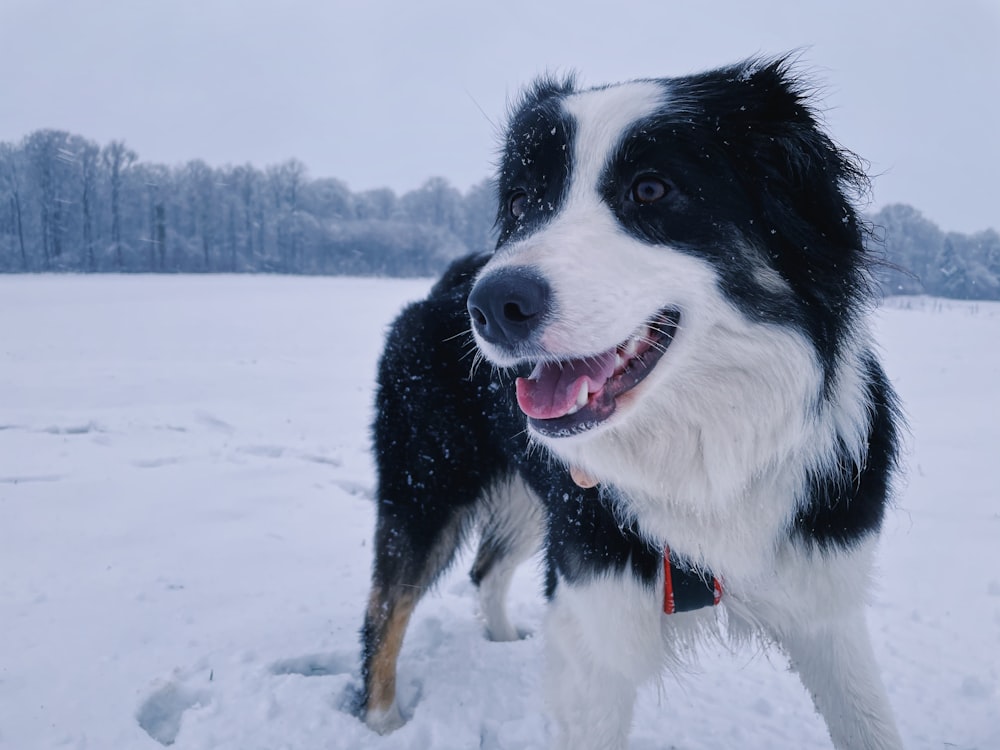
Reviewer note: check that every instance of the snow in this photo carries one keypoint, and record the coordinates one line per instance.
(185, 536)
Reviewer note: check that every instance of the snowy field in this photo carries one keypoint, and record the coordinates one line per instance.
(186, 520)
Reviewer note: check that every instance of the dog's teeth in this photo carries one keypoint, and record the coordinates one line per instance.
(581, 399)
(631, 347)
(619, 362)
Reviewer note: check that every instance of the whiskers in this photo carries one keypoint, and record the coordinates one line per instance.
(664, 331)
(471, 350)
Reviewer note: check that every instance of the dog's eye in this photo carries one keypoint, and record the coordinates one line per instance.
(517, 204)
(649, 189)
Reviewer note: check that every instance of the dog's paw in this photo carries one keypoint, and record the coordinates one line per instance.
(505, 633)
(502, 632)
(384, 720)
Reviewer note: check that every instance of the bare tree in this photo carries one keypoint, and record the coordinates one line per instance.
(48, 151)
(87, 157)
(379, 204)
(8, 160)
(117, 159)
(435, 203)
(156, 179)
(285, 181)
(201, 188)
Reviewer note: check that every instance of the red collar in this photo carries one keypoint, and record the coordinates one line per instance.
(684, 589)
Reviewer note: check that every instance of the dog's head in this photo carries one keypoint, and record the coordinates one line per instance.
(647, 229)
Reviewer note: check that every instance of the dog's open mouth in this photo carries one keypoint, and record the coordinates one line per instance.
(567, 397)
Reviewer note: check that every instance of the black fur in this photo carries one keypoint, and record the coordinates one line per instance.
(537, 158)
(445, 431)
(846, 507)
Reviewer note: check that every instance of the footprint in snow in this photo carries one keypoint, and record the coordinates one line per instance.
(161, 713)
(314, 665)
(348, 697)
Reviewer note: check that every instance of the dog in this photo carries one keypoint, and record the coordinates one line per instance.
(663, 376)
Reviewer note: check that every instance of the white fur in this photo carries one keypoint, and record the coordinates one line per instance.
(709, 454)
(602, 641)
(607, 637)
(813, 608)
(601, 116)
(514, 515)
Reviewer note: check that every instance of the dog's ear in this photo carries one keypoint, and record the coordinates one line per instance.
(534, 151)
(801, 187)
(538, 101)
(776, 138)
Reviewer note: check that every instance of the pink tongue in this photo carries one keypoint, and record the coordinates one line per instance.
(551, 390)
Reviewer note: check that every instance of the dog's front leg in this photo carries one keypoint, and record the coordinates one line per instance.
(835, 662)
(602, 641)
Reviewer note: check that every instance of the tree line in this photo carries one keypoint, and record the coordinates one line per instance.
(69, 204)
(919, 258)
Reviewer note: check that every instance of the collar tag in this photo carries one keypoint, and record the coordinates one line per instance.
(684, 589)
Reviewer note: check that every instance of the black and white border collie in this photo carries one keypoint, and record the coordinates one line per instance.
(663, 371)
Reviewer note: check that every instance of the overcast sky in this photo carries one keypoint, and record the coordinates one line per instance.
(389, 94)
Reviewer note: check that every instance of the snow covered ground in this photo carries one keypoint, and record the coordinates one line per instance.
(185, 526)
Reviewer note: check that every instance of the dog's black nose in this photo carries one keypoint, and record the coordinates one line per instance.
(506, 307)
